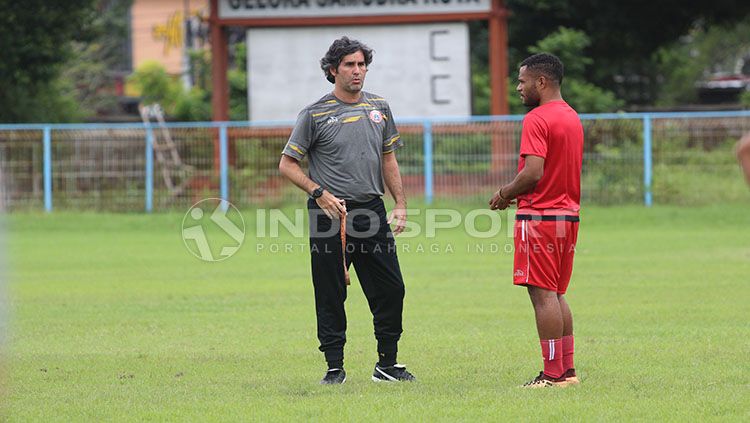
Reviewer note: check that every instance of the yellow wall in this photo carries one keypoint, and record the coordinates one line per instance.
(157, 31)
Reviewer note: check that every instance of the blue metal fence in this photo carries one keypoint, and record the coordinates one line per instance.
(647, 161)
(460, 155)
(149, 170)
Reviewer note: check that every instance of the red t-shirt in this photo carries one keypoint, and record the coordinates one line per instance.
(554, 132)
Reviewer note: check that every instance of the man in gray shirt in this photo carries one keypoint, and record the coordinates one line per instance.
(350, 138)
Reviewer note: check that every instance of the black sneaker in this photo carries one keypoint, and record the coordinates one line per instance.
(334, 377)
(395, 373)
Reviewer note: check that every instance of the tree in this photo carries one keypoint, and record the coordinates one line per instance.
(157, 86)
(237, 77)
(703, 51)
(35, 40)
(570, 45)
(745, 99)
(93, 63)
(624, 35)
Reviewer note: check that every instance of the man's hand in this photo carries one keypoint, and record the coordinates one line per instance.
(524, 182)
(497, 202)
(331, 205)
(398, 215)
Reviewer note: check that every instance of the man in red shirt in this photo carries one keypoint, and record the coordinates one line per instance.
(548, 192)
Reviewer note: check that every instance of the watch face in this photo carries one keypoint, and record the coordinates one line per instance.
(317, 192)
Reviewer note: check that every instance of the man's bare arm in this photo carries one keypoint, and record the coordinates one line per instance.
(392, 178)
(289, 167)
(524, 182)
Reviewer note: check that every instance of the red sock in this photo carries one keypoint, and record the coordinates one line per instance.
(552, 353)
(567, 356)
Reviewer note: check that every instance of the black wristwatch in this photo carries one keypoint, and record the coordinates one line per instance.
(317, 192)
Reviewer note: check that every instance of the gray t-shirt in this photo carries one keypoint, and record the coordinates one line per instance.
(345, 143)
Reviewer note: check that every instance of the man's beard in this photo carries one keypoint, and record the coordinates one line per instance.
(531, 103)
(355, 88)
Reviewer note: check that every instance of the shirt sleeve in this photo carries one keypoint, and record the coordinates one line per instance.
(391, 137)
(302, 137)
(534, 136)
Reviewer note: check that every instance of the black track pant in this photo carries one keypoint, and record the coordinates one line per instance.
(372, 250)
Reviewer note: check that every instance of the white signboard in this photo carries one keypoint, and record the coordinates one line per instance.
(422, 70)
(234, 9)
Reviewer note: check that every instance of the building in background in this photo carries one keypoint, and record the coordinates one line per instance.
(160, 32)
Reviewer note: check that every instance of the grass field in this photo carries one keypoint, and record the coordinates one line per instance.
(113, 319)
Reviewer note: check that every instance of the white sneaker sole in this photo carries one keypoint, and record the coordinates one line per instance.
(331, 384)
(388, 378)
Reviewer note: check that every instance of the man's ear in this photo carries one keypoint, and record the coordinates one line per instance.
(332, 71)
(542, 81)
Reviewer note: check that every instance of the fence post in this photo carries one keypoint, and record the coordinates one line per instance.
(223, 164)
(427, 136)
(47, 147)
(647, 161)
(149, 169)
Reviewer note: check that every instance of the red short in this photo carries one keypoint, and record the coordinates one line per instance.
(544, 253)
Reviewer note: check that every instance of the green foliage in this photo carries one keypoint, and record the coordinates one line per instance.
(200, 68)
(457, 154)
(237, 76)
(480, 87)
(94, 60)
(256, 159)
(687, 170)
(156, 85)
(586, 97)
(237, 94)
(51, 101)
(514, 100)
(686, 173)
(90, 77)
(745, 99)
(56, 61)
(613, 174)
(569, 45)
(623, 38)
(35, 39)
(194, 104)
(696, 56)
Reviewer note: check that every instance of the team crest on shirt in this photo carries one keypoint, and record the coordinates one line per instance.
(376, 116)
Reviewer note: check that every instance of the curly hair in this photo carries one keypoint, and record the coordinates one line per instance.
(340, 48)
(546, 64)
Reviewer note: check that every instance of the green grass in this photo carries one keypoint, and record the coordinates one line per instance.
(113, 319)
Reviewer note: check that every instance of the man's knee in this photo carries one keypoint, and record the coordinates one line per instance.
(541, 297)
